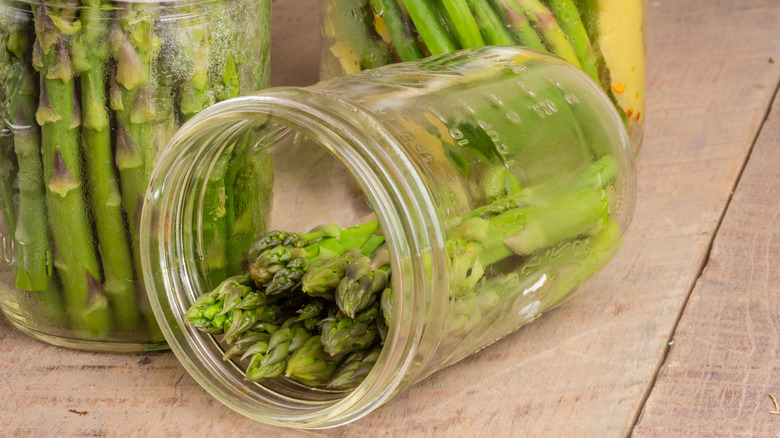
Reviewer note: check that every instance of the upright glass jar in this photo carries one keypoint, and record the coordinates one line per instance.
(500, 179)
(605, 38)
(90, 92)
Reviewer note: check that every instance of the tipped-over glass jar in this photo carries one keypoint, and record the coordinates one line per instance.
(472, 191)
(605, 38)
(90, 91)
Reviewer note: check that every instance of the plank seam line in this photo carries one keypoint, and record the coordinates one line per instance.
(704, 262)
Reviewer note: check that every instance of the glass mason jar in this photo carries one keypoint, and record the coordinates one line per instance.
(498, 178)
(605, 38)
(90, 92)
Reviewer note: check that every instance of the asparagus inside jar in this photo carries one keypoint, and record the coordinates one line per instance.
(604, 38)
(90, 92)
(521, 160)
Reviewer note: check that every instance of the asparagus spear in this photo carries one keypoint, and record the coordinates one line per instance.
(322, 242)
(311, 365)
(59, 117)
(541, 18)
(135, 46)
(399, 30)
(324, 275)
(517, 24)
(214, 224)
(32, 251)
(194, 89)
(342, 334)
(13, 45)
(103, 187)
(283, 342)
(364, 278)
(11, 68)
(233, 302)
(493, 29)
(464, 25)
(354, 369)
(248, 195)
(569, 18)
(429, 26)
(9, 169)
(248, 340)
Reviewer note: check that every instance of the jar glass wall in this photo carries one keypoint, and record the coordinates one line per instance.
(604, 38)
(500, 179)
(90, 92)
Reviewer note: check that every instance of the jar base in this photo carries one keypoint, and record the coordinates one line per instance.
(94, 346)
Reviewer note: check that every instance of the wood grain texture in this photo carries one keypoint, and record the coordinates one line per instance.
(724, 362)
(581, 370)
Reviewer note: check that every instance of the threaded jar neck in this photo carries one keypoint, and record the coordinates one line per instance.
(293, 124)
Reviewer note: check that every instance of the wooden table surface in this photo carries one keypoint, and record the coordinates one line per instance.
(678, 336)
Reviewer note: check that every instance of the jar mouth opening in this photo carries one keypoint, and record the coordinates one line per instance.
(286, 122)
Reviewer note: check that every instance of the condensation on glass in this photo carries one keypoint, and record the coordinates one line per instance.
(90, 92)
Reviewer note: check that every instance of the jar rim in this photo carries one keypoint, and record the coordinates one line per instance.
(382, 178)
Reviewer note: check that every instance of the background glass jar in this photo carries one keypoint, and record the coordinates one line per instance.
(605, 38)
(498, 178)
(90, 91)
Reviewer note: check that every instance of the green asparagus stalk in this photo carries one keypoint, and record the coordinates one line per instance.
(249, 339)
(517, 23)
(541, 18)
(273, 362)
(570, 21)
(386, 304)
(312, 365)
(324, 275)
(248, 193)
(464, 24)
(426, 20)
(9, 169)
(342, 334)
(103, 187)
(494, 31)
(11, 67)
(194, 90)
(322, 242)
(33, 257)
(364, 278)
(232, 308)
(60, 119)
(214, 228)
(133, 97)
(399, 29)
(33, 251)
(354, 369)
(18, 93)
(311, 313)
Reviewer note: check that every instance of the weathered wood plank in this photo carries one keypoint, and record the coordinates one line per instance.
(581, 370)
(724, 361)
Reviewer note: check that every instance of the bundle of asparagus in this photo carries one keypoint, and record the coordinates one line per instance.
(602, 37)
(91, 91)
(315, 307)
